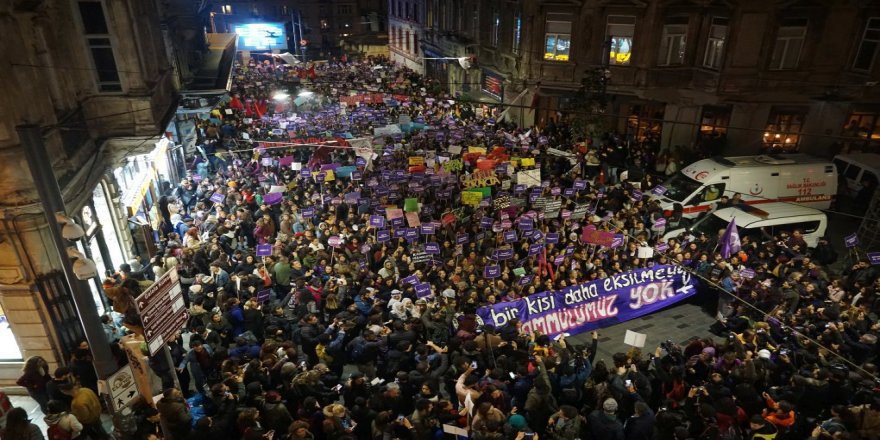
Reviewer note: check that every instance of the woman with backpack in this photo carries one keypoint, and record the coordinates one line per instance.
(62, 425)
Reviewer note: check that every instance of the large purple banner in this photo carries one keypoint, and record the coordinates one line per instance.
(596, 304)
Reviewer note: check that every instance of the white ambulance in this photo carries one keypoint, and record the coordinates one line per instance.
(796, 178)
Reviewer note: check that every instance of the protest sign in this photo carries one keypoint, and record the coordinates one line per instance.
(595, 304)
(529, 178)
(479, 178)
(589, 234)
(472, 198)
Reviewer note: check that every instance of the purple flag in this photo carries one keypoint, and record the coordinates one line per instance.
(730, 243)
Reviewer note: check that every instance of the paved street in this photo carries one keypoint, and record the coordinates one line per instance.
(678, 323)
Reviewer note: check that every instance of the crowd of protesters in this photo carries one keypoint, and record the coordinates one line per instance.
(328, 339)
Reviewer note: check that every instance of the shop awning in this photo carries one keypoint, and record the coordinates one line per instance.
(215, 73)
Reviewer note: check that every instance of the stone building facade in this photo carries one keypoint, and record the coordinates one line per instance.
(98, 77)
(749, 75)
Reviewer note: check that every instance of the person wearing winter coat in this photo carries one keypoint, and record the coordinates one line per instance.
(56, 415)
(276, 417)
(35, 376)
(174, 414)
(640, 426)
(604, 424)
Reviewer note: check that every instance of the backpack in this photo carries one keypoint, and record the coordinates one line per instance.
(56, 432)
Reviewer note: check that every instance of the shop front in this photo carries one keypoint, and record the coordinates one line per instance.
(142, 181)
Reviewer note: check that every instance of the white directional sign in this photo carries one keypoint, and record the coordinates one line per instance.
(123, 389)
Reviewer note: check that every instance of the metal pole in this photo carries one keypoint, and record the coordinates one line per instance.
(170, 360)
(40, 164)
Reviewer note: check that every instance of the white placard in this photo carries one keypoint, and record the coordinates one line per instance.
(635, 339)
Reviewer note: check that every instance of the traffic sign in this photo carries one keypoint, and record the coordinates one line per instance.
(123, 388)
(162, 310)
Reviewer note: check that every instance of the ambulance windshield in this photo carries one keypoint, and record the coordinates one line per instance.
(680, 187)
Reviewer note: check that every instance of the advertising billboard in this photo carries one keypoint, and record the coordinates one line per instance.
(261, 36)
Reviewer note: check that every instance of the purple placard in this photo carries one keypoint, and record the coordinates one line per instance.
(566, 214)
(411, 234)
(504, 254)
(411, 280)
(874, 258)
(637, 195)
(486, 222)
(308, 212)
(305, 173)
(493, 271)
(559, 259)
(264, 295)
(383, 236)
(506, 223)
(397, 222)
(377, 221)
(569, 250)
(264, 250)
(569, 192)
(462, 238)
(519, 189)
(580, 184)
(617, 240)
(747, 273)
(217, 198)
(272, 198)
(553, 237)
(334, 241)
(423, 289)
(661, 247)
(526, 224)
(432, 248)
(555, 191)
(537, 236)
(360, 162)
(851, 240)
(526, 279)
(510, 236)
(536, 249)
(501, 169)
(659, 190)
(427, 229)
(399, 232)
(357, 175)
(596, 304)
(196, 177)
(659, 223)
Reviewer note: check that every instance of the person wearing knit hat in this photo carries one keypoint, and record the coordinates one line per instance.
(517, 423)
(604, 423)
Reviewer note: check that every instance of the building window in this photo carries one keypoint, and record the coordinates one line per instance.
(101, 49)
(496, 29)
(406, 41)
(868, 47)
(517, 32)
(429, 15)
(864, 125)
(226, 9)
(399, 9)
(789, 43)
(344, 9)
(673, 42)
(415, 42)
(9, 351)
(324, 24)
(714, 120)
(406, 10)
(619, 32)
(285, 11)
(783, 129)
(715, 45)
(557, 37)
